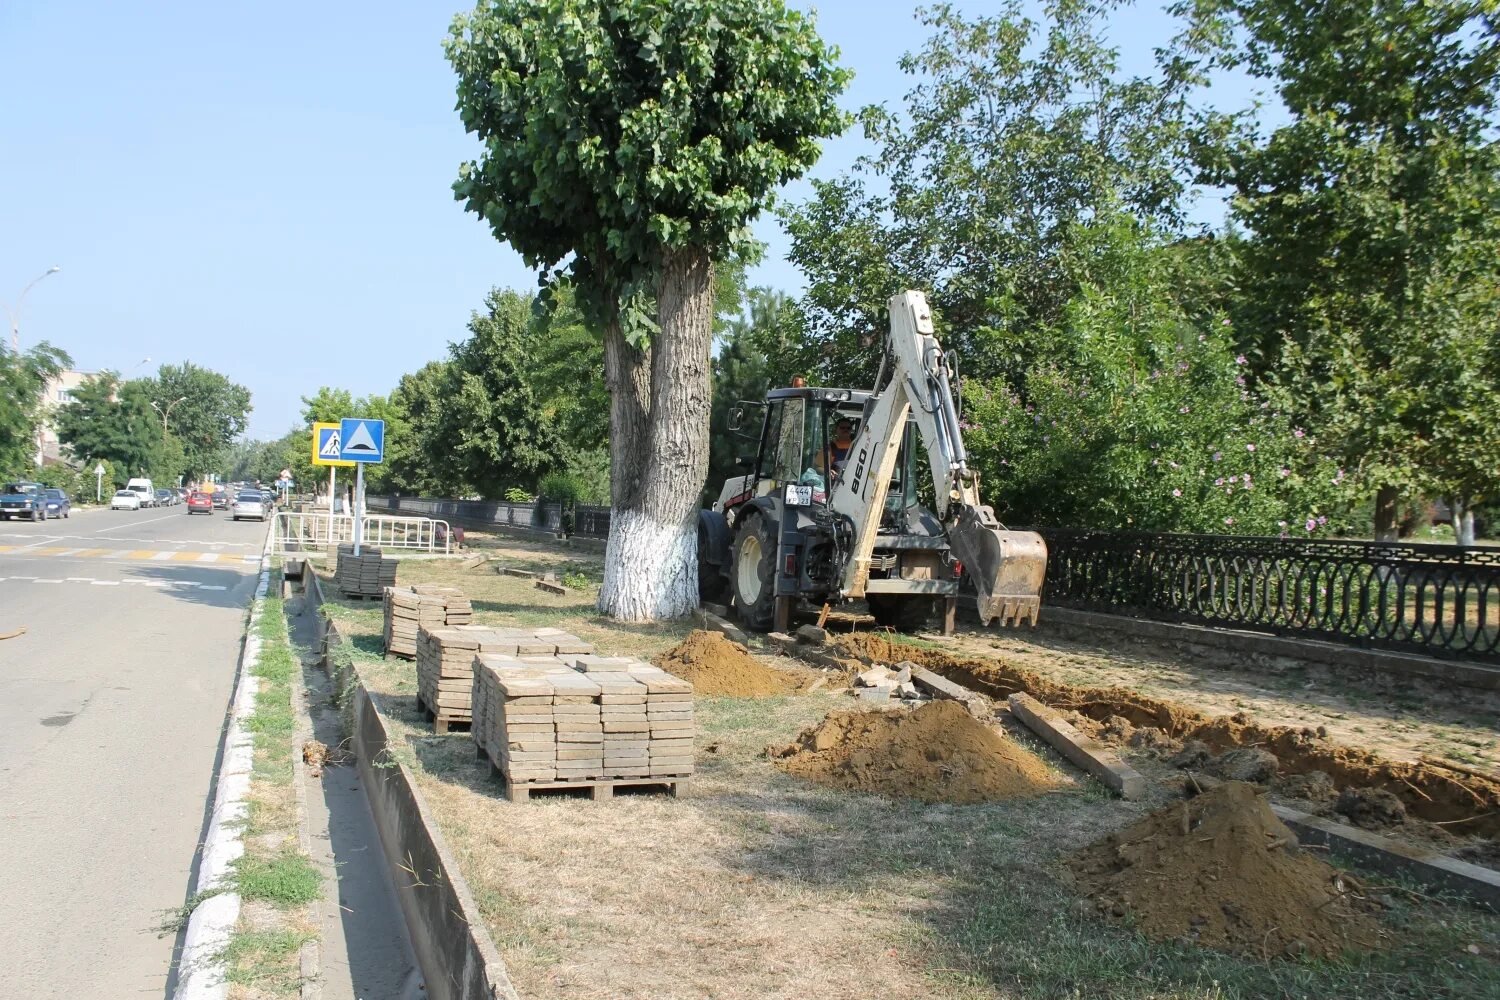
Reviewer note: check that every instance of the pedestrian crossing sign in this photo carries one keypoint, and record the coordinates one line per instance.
(325, 445)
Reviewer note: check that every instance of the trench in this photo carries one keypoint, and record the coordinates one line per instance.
(366, 947)
(1462, 803)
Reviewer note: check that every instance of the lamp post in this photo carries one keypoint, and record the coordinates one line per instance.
(167, 412)
(15, 314)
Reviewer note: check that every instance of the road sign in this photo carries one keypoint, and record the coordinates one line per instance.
(361, 441)
(325, 445)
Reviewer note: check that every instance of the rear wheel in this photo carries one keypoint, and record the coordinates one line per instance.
(900, 612)
(753, 573)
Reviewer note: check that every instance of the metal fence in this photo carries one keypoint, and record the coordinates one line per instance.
(552, 518)
(1441, 600)
(293, 530)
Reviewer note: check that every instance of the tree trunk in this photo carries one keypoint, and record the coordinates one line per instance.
(1387, 504)
(1463, 520)
(651, 566)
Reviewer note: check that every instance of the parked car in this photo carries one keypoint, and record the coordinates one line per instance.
(125, 500)
(23, 500)
(57, 503)
(199, 502)
(249, 504)
(163, 498)
(144, 489)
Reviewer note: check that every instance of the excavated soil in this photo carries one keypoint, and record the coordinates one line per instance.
(1466, 805)
(936, 753)
(1222, 871)
(716, 666)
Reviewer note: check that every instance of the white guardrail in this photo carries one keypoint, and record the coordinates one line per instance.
(291, 531)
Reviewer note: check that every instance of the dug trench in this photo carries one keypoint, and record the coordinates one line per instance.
(1457, 804)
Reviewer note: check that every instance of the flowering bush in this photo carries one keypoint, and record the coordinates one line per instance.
(1144, 420)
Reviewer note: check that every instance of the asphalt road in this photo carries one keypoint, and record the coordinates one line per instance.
(111, 711)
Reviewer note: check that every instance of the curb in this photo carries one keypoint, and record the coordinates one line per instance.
(310, 957)
(200, 967)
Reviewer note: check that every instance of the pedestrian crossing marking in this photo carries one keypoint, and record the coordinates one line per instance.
(136, 555)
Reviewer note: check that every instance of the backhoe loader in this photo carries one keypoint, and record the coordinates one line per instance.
(822, 518)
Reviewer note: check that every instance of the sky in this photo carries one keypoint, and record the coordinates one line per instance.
(264, 189)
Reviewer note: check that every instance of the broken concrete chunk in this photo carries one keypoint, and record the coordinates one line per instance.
(875, 677)
(812, 635)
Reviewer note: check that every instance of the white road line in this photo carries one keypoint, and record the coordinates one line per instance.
(128, 524)
(23, 578)
(209, 557)
(80, 579)
(65, 552)
(212, 586)
(47, 579)
(162, 556)
(105, 583)
(45, 541)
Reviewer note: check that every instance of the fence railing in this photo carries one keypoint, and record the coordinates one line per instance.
(1441, 600)
(554, 518)
(292, 530)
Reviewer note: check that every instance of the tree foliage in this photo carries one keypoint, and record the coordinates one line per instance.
(1367, 281)
(212, 413)
(23, 379)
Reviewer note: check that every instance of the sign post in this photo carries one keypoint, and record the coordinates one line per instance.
(360, 442)
(99, 483)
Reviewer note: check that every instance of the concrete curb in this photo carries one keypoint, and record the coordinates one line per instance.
(1438, 871)
(201, 967)
(454, 949)
(311, 956)
(1085, 752)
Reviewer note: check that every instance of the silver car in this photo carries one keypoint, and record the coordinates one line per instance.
(249, 504)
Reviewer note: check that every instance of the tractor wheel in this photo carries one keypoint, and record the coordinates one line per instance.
(713, 557)
(752, 573)
(900, 612)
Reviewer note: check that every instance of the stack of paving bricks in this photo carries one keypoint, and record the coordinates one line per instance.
(365, 576)
(409, 609)
(545, 721)
(446, 656)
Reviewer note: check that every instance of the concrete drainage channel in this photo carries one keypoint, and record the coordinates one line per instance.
(453, 949)
(366, 951)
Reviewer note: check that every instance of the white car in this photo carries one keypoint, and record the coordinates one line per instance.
(125, 500)
(250, 503)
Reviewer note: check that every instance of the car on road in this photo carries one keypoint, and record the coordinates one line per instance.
(23, 500)
(125, 500)
(250, 503)
(221, 499)
(163, 498)
(57, 503)
(197, 502)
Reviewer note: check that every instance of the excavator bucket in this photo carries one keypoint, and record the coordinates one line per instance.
(1007, 567)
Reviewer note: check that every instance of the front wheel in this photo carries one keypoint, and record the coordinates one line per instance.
(753, 573)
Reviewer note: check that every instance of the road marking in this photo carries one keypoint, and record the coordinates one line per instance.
(212, 586)
(129, 523)
(162, 556)
(105, 583)
(207, 557)
(63, 552)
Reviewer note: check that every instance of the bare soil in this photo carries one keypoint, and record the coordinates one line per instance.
(717, 666)
(1221, 870)
(935, 753)
(1463, 804)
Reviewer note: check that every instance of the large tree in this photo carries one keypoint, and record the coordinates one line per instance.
(211, 413)
(630, 142)
(1368, 276)
(23, 379)
(113, 420)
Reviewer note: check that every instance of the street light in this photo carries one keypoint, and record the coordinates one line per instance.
(167, 412)
(15, 314)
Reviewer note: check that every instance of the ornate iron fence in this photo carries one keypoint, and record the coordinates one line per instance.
(548, 517)
(1441, 600)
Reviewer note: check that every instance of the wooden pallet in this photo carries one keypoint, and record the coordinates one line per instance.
(596, 789)
(359, 597)
(441, 724)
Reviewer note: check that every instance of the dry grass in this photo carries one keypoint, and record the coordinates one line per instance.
(754, 884)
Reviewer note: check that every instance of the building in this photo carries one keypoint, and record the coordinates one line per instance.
(59, 392)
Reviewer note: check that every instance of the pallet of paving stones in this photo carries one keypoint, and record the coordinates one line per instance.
(409, 609)
(364, 576)
(445, 663)
(581, 721)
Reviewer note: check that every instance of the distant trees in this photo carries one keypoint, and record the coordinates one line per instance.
(212, 413)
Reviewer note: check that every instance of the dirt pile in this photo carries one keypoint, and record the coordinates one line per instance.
(1467, 805)
(716, 666)
(1222, 871)
(937, 753)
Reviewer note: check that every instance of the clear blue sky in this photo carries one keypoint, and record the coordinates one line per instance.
(263, 188)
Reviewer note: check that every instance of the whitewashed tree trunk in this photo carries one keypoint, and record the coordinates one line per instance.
(659, 449)
(1463, 521)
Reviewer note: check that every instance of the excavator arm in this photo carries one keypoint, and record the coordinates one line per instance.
(1007, 567)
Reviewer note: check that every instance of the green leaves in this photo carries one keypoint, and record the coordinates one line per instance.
(614, 129)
